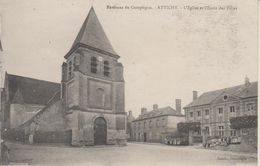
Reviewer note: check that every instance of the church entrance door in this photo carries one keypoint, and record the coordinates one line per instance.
(100, 131)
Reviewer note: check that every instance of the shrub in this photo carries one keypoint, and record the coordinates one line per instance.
(243, 122)
(185, 127)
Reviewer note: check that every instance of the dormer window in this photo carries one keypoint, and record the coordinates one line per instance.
(93, 65)
(106, 69)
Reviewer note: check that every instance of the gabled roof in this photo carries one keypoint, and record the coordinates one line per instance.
(165, 111)
(31, 91)
(241, 91)
(93, 36)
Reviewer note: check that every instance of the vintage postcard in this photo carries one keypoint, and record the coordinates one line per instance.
(129, 82)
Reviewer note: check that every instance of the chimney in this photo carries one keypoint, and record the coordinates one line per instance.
(143, 111)
(178, 105)
(247, 82)
(195, 95)
(155, 107)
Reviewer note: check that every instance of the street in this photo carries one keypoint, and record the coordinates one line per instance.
(132, 154)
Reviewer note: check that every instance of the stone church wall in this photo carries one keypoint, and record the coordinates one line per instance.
(82, 125)
(52, 119)
(20, 113)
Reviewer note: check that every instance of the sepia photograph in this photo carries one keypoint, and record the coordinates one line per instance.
(129, 82)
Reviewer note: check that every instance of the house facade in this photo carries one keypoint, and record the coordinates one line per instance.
(214, 109)
(154, 125)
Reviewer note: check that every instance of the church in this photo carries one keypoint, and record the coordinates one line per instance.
(86, 108)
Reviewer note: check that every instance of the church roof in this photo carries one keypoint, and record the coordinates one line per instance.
(92, 36)
(165, 111)
(241, 91)
(29, 90)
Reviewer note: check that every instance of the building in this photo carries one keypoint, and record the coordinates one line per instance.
(24, 97)
(214, 109)
(87, 108)
(93, 87)
(154, 125)
(129, 120)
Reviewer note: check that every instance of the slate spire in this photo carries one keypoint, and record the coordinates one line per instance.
(93, 36)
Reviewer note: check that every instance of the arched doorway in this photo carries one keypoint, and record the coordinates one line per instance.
(100, 131)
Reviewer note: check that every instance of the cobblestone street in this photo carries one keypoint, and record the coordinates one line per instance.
(133, 154)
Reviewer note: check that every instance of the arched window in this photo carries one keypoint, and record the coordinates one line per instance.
(93, 65)
(101, 97)
(106, 69)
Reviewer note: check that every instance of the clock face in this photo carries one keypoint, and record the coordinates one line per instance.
(100, 58)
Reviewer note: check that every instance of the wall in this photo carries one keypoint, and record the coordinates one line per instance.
(72, 96)
(52, 119)
(94, 95)
(20, 113)
(85, 63)
(82, 125)
(249, 140)
(119, 97)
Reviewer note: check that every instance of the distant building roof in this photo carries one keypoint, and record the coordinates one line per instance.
(32, 91)
(165, 111)
(241, 91)
(92, 36)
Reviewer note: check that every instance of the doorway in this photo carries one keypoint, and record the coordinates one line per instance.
(100, 131)
(145, 139)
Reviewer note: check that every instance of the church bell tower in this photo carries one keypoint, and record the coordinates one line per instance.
(93, 87)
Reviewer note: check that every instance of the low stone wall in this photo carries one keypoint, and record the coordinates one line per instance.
(15, 135)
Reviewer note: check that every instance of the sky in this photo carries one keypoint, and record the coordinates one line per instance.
(166, 53)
